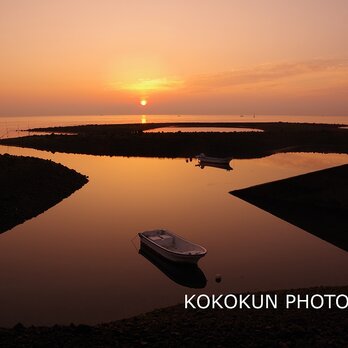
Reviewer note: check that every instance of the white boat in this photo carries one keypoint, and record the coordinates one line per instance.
(218, 160)
(172, 246)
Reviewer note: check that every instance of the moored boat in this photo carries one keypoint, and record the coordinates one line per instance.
(172, 246)
(225, 166)
(218, 160)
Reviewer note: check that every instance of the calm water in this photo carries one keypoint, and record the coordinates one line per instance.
(202, 129)
(78, 261)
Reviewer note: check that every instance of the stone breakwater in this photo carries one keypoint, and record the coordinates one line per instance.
(29, 186)
(316, 202)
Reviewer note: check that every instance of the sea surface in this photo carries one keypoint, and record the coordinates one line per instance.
(79, 261)
(183, 129)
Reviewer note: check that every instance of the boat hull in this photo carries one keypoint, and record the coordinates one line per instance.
(225, 166)
(216, 160)
(168, 254)
(171, 246)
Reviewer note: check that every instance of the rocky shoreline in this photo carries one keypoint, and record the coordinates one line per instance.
(179, 327)
(29, 186)
(316, 202)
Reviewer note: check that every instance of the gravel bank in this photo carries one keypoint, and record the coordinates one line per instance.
(177, 327)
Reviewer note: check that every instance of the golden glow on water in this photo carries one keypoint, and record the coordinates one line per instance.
(143, 119)
(183, 129)
(101, 277)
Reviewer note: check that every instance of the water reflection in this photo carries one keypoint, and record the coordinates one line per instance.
(75, 262)
(188, 275)
(183, 129)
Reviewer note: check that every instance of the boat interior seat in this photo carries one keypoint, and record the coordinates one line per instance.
(165, 240)
(155, 238)
(166, 236)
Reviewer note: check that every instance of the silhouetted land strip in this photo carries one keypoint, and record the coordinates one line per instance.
(131, 140)
(177, 327)
(29, 186)
(316, 202)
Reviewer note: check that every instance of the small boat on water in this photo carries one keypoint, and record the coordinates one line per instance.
(172, 246)
(217, 160)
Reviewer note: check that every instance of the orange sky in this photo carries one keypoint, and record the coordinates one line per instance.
(182, 56)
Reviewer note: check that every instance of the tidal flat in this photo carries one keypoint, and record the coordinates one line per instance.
(132, 140)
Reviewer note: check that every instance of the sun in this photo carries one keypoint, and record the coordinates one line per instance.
(143, 102)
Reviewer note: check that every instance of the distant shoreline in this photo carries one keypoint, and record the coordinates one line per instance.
(131, 140)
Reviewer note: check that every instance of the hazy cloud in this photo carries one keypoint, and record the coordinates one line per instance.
(149, 85)
(266, 73)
